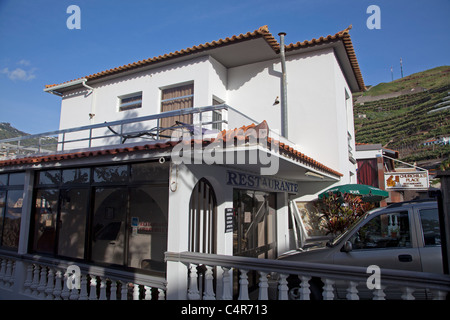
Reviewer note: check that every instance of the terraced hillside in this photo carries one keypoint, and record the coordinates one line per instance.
(405, 113)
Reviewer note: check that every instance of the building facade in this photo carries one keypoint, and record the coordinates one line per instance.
(182, 152)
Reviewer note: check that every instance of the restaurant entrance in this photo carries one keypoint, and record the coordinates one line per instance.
(254, 232)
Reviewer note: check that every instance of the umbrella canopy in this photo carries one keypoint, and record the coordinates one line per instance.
(367, 193)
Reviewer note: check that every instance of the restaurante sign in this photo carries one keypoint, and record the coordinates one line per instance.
(406, 180)
(260, 182)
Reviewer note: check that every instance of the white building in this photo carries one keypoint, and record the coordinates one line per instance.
(114, 198)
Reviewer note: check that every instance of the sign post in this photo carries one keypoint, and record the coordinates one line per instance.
(417, 180)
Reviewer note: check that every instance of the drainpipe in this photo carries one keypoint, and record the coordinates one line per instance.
(284, 113)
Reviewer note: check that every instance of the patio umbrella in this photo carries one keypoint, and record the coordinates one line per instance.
(367, 193)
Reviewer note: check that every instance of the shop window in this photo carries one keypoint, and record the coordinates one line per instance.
(75, 176)
(108, 231)
(72, 222)
(113, 215)
(111, 174)
(147, 239)
(45, 220)
(11, 201)
(49, 177)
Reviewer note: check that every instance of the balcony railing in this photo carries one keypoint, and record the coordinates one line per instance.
(335, 281)
(208, 120)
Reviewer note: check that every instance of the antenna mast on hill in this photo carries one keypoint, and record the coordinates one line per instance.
(401, 66)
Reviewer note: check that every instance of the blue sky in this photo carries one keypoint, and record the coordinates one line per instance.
(37, 48)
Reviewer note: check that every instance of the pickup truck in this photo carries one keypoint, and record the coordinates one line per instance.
(402, 236)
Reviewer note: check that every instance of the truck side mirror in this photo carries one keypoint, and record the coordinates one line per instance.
(347, 247)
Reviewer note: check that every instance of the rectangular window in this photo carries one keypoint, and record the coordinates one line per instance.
(390, 230)
(108, 230)
(72, 223)
(147, 239)
(45, 220)
(111, 174)
(130, 101)
(11, 201)
(217, 116)
(75, 176)
(430, 227)
(177, 98)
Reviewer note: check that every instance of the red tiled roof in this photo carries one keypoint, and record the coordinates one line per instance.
(262, 32)
(242, 133)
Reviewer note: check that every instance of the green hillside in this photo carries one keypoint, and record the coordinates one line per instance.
(403, 114)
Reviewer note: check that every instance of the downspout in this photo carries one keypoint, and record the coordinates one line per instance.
(87, 87)
(91, 90)
(284, 112)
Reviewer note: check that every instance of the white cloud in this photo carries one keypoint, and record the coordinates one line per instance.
(24, 62)
(19, 73)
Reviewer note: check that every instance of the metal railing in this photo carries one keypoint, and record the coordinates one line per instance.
(133, 130)
(114, 132)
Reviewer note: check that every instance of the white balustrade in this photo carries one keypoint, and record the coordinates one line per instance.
(243, 285)
(283, 287)
(193, 292)
(352, 291)
(45, 281)
(263, 286)
(273, 283)
(328, 289)
(48, 280)
(226, 284)
(304, 291)
(208, 294)
(57, 289)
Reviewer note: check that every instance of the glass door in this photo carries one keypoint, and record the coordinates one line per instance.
(255, 224)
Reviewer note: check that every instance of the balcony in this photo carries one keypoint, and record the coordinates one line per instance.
(206, 121)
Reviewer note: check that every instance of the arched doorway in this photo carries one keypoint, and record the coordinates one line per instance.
(202, 218)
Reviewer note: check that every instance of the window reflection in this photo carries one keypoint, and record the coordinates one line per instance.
(45, 220)
(111, 174)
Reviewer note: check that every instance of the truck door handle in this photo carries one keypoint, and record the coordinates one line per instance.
(405, 258)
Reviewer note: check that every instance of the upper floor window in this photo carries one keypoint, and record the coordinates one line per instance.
(176, 98)
(130, 101)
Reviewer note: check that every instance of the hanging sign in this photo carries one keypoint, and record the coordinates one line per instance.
(406, 180)
(228, 220)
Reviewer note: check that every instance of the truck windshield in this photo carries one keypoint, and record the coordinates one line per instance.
(339, 238)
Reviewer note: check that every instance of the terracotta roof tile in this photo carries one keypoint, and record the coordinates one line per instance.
(258, 33)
